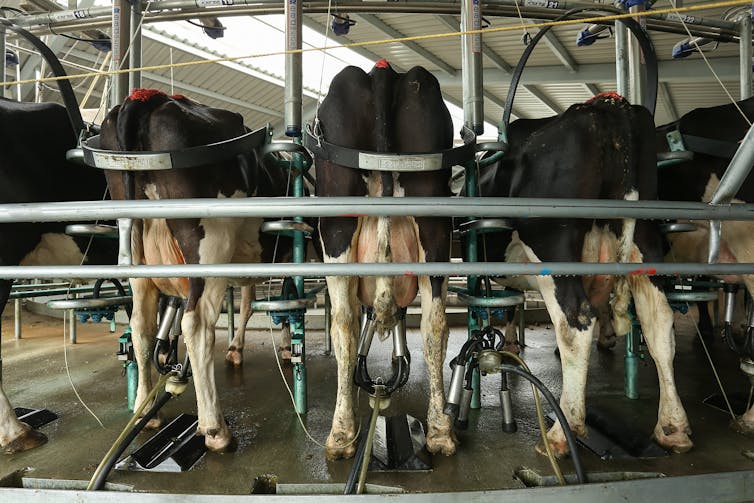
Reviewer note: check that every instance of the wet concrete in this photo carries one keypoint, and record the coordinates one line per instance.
(271, 440)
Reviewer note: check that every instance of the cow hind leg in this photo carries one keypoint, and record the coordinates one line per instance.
(672, 430)
(434, 329)
(744, 424)
(343, 330)
(16, 436)
(574, 338)
(511, 343)
(198, 326)
(234, 356)
(143, 332)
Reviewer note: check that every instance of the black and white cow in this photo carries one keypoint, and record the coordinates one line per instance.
(603, 149)
(713, 134)
(384, 111)
(150, 120)
(34, 139)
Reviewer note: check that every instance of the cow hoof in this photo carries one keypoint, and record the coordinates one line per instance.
(674, 439)
(219, 440)
(340, 446)
(27, 440)
(559, 449)
(234, 356)
(444, 444)
(740, 425)
(606, 343)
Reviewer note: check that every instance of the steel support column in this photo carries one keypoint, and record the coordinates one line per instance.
(745, 53)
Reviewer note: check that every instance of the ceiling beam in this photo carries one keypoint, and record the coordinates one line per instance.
(452, 23)
(191, 88)
(361, 51)
(557, 48)
(546, 100)
(591, 89)
(688, 71)
(391, 32)
(667, 99)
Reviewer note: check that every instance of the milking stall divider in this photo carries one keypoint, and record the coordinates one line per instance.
(489, 213)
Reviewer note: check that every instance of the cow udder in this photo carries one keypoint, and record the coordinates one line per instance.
(160, 247)
(404, 247)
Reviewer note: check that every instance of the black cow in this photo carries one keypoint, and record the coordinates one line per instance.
(150, 120)
(385, 111)
(713, 134)
(600, 149)
(33, 142)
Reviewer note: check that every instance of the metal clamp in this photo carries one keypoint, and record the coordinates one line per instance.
(401, 361)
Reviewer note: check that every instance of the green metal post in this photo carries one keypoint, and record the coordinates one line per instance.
(297, 326)
(471, 281)
(632, 363)
(132, 381)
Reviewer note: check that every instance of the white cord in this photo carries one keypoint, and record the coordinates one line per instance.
(65, 345)
(322, 71)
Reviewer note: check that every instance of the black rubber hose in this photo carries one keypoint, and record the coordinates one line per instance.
(580, 474)
(99, 483)
(353, 476)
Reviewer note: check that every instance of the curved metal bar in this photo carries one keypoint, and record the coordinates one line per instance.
(66, 90)
(89, 303)
(641, 35)
(159, 160)
(290, 147)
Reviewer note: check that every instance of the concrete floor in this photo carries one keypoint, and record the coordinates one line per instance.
(271, 441)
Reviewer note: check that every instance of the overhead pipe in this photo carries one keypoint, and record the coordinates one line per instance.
(134, 55)
(293, 75)
(621, 58)
(636, 73)
(2, 67)
(745, 55)
(171, 10)
(471, 66)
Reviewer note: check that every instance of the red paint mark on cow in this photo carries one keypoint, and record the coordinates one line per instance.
(607, 96)
(651, 271)
(637, 271)
(144, 94)
(382, 64)
(409, 274)
(178, 96)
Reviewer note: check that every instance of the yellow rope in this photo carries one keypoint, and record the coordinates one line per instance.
(413, 38)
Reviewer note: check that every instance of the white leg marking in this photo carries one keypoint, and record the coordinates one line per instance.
(434, 330)
(235, 349)
(672, 429)
(143, 332)
(575, 346)
(344, 330)
(198, 328)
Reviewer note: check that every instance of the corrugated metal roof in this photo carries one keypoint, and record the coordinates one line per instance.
(260, 100)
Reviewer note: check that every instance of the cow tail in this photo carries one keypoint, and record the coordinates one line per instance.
(384, 302)
(622, 292)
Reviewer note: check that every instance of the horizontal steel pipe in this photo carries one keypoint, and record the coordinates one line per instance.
(273, 207)
(317, 269)
(172, 10)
